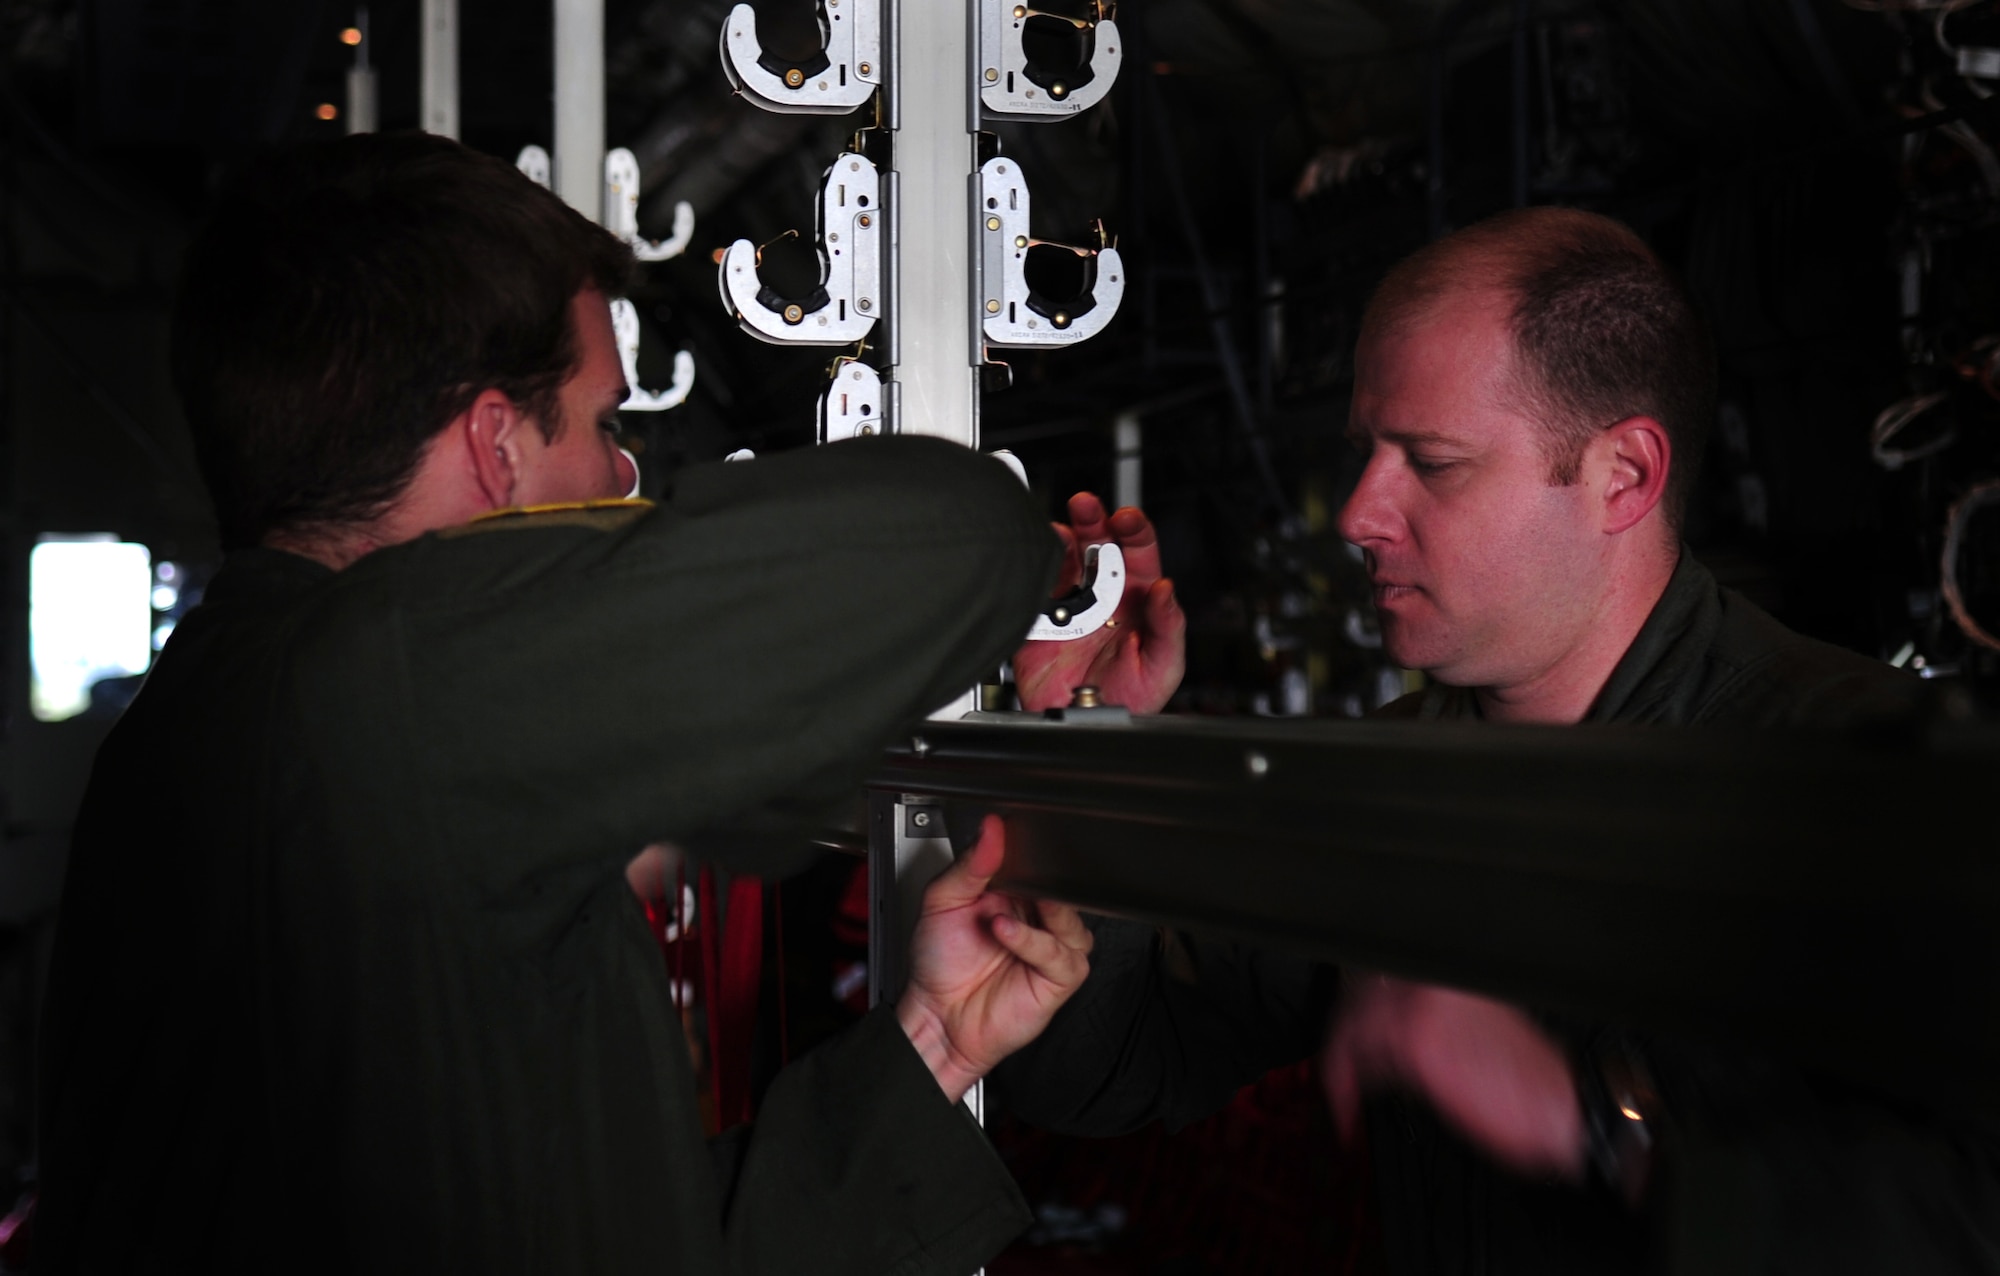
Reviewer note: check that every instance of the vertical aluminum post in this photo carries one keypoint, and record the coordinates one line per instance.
(361, 114)
(934, 357)
(938, 318)
(439, 107)
(934, 350)
(1126, 444)
(361, 90)
(934, 340)
(579, 149)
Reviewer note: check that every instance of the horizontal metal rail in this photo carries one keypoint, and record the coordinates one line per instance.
(1828, 896)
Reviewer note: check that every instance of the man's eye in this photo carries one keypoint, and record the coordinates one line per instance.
(1430, 465)
(611, 425)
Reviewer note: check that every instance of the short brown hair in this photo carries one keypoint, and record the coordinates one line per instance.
(349, 299)
(1602, 331)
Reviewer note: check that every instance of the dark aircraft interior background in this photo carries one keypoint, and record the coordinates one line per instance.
(1822, 173)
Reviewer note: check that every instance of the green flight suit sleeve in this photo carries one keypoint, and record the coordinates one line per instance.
(857, 1163)
(577, 684)
(1768, 1168)
(1169, 1025)
(487, 723)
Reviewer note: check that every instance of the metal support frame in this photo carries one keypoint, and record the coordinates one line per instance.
(1824, 896)
(934, 344)
(579, 79)
(362, 90)
(438, 108)
(1127, 442)
(943, 307)
(603, 186)
(934, 356)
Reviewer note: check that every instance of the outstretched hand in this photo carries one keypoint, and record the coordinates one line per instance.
(1138, 657)
(1485, 1066)
(987, 970)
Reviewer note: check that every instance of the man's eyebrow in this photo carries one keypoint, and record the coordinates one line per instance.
(1402, 438)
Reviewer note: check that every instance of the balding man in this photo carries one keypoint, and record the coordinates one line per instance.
(1532, 395)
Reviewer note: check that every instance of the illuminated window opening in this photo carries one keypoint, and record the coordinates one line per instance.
(90, 617)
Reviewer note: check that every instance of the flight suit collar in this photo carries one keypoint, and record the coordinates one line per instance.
(1653, 681)
(264, 575)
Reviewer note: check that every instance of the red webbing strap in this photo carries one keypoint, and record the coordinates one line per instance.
(732, 968)
(778, 945)
(683, 922)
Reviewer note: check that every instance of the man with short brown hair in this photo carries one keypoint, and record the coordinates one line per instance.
(349, 976)
(1531, 396)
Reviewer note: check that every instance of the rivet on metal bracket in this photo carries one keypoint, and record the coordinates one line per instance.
(1016, 86)
(1085, 609)
(923, 820)
(838, 78)
(853, 406)
(841, 310)
(1015, 315)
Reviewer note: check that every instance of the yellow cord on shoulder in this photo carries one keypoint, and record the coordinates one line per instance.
(606, 515)
(559, 507)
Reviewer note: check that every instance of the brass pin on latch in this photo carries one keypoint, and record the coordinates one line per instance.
(1061, 319)
(718, 254)
(1086, 704)
(1016, 86)
(1023, 12)
(840, 361)
(1097, 232)
(790, 234)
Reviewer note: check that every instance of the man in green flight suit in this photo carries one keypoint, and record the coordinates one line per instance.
(1531, 396)
(349, 974)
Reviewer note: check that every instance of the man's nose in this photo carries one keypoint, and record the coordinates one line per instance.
(1369, 515)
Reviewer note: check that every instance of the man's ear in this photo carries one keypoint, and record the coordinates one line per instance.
(492, 434)
(1635, 457)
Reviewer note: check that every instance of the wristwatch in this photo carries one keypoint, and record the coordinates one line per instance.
(1621, 1113)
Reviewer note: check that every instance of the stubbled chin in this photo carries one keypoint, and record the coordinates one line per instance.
(1403, 642)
